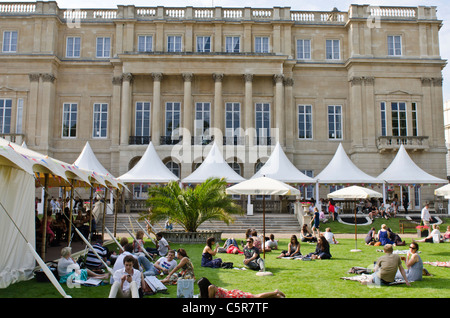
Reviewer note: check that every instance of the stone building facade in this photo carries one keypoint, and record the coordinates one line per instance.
(369, 78)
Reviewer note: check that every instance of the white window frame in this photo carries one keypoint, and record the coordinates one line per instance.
(303, 51)
(263, 131)
(72, 50)
(105, 47)
(5, 115)
(335, 53)
(19, 116)
(399, 111)
(394, 45)
(305, 115)
(202, 41)
(174, 43)
(175, 131)
(10, 41)
(98, 124)
(141, 113)
(70, 113)
(174, 167)
(202, 114)
(337, 118)
(233, 130)
(262, 44)
(231, 42)
(383, 123)
(147, 41)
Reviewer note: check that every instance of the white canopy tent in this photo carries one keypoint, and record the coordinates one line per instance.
(444, 191)
(279, 167)
(341, 170)
(403, 170)
(149, 169)
(214, 166)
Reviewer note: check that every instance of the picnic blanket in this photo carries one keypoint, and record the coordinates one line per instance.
(439, 264)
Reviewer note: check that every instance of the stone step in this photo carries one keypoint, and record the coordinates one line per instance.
(274, 223)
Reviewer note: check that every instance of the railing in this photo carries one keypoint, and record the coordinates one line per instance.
(265, 141)
(218, 13)
(15, 138)
(169, 140)
(201, 140)
(139, 140)
(234, 141)
(410, 142)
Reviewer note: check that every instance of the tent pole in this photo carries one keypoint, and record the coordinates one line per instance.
(104, 213)
(90, 214)
(115, 211)
(70, 213)
(44, 218)
(264, 227)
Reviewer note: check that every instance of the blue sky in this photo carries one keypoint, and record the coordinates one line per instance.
(443, 13)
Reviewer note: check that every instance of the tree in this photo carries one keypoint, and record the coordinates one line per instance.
(190, 207)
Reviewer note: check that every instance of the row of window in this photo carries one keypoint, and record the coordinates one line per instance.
(202, 122)
(174, 44)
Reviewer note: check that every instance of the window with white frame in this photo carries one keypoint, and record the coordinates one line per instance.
(232, 44)
(262, 122)
(145, 43)
(394, 45)
(103, 47)
(333, 50)
(303, 49)
(69, 124)
(203, 44)
(399, 124)
(173, 113)
(383, 119)
(142, 119)
(174, 167)
(202, 121)
(305, 122)
(334, 122)
(19, 116)
(100, 127)
(9, 41)
(414, 119)
(73, 46)
(174, 43)
(232, 119)
(261, 44)
(5, 115)
(307, 191)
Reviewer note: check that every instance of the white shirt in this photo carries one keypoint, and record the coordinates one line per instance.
(164, 263)
(163, 247)
(329, 236)
(425, 215)
(119, 263)
(136, 277)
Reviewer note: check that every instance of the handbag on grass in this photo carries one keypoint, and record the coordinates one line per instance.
(185, 288)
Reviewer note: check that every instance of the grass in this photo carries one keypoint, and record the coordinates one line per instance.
(297, 279)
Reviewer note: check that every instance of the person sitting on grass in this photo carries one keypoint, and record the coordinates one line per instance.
(208, 253)
(330, 236)
(127, 280)
(252, 259)
(293, 248)
(208, 290)
(322, 249)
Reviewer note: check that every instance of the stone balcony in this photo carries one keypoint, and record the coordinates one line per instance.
(282, 14)
(413, 143)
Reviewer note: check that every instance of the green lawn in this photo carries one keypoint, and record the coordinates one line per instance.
(297, 279)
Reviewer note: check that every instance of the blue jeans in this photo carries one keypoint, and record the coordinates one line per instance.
(149, 268)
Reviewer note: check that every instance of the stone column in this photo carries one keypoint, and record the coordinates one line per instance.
(290, 113)
(47, 111)
(219, 120)
(188, 109)
(279, 108)
(32, 109)
(371, 112)
(436, 109)
(248, 112)
(125, 118)
(356, 120)
(156, 109)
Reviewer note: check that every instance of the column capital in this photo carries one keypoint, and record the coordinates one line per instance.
(278, 78)
(187, 77)
(437, 81)
(217, 77)
(117, 80)
(34, 77)
(289, 81)
(47, 77)
(426, 81)
(248, 77)
(356, 80)
(127, 77)
(157, 76)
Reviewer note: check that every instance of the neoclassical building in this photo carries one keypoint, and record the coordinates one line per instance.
(246, 78)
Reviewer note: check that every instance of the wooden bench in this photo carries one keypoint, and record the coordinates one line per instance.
(405, 224)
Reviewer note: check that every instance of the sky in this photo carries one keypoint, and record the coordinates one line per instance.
(443, 13)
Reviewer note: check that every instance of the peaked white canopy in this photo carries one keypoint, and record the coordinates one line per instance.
(149, 169)
(262, 186)
(89, 162)
(443, 191)
(354, 192)
(214, 166)
(403, 170)
(342, 170)
(279, 167)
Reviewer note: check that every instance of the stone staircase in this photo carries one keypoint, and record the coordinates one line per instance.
(275, 223)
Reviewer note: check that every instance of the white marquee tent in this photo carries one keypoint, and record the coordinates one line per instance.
(149, 169)
(214, 166)
(279, 167)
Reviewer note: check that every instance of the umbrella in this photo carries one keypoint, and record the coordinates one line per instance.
(263, 186)
(354, 192)
(444, 191)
